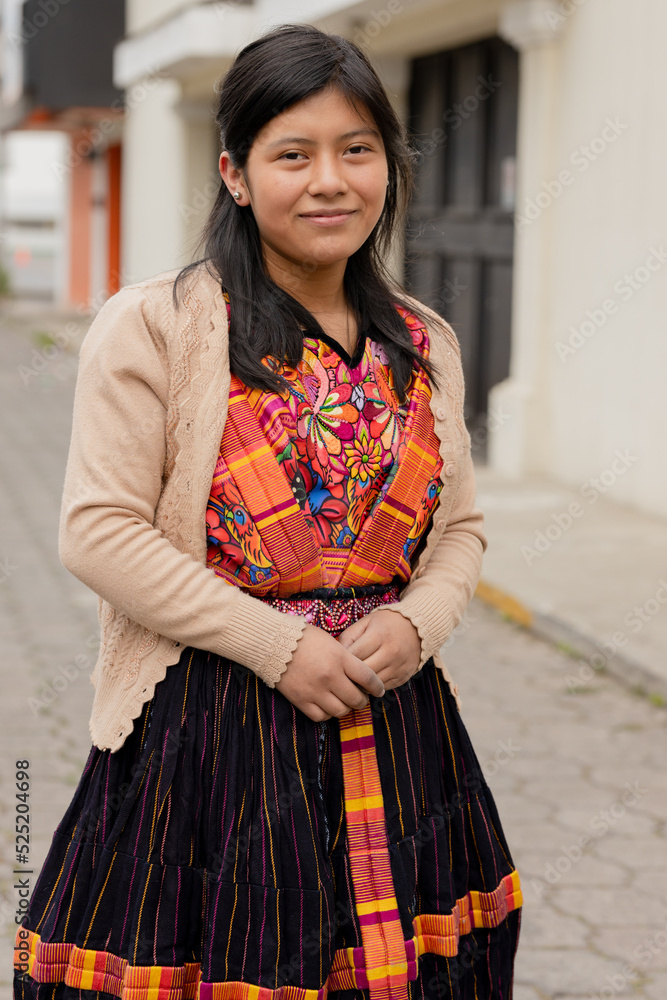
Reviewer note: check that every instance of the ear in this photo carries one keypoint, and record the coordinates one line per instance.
(232, 177)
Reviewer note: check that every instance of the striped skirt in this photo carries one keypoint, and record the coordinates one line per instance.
(234, 848)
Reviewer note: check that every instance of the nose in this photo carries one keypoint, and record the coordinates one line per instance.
(327, 176)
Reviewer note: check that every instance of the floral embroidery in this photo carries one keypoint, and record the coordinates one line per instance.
(364, 457)
(336, 432)
(234, 543)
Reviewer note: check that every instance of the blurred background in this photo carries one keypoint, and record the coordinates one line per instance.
(539, 230)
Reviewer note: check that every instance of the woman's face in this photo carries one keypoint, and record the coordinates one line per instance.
(317, 156)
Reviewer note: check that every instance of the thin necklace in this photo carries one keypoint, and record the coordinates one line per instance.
(349, 348)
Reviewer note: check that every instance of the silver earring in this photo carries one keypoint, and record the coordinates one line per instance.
(237, 194)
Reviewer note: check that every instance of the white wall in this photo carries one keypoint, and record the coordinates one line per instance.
(141, 14)
(607, 393)
(11, 51)
(33, 189)
(202, 177)
(153, 183)
(614, 212)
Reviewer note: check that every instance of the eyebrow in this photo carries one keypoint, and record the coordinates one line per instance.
(287, 139)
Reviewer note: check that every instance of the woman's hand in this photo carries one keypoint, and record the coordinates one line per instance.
(387, 642)
(323, 679)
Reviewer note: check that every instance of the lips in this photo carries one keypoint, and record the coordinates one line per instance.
(328, 221)
(323, 213)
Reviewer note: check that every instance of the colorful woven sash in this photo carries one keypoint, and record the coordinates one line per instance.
(268, 497)
(382, 964)
(275, 513)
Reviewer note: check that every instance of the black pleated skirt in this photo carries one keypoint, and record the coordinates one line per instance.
(212, 856)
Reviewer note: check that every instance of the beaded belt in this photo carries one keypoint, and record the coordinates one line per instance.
(334, 608)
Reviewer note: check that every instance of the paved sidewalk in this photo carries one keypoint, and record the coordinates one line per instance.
(575, 762)
(48, 620)
(581, 571)
(578, 776)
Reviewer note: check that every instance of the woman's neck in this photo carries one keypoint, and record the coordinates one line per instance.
(322, 293)
(320, 289)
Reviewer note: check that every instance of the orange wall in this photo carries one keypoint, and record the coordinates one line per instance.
(113, 210)
(80, 196)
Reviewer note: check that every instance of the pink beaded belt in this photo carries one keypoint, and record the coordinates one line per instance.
(333, 609)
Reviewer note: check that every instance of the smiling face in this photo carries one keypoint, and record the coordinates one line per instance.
(319, 155)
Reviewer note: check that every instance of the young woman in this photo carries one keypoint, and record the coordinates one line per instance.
(271, 490)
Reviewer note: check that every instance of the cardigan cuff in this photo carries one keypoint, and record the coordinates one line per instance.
(268, 648)
(430, 616)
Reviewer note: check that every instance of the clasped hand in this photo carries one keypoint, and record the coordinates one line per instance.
(328, 677)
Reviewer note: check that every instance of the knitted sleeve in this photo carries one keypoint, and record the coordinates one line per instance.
(113, 481)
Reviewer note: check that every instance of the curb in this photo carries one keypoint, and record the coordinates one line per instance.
(633, 675)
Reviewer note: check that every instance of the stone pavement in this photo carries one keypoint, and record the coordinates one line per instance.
(578, 776)
(575, 760)
(48, 619)
(580, 569)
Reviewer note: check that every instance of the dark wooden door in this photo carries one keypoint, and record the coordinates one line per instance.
(460, 234)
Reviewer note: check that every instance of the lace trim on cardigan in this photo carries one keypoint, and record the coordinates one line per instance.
(181, 376)
(285, 642)
(149, 641)
(135, 697)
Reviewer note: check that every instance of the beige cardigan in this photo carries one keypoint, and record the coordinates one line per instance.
(149, 411)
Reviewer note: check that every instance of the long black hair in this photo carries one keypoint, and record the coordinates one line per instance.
(283, 66)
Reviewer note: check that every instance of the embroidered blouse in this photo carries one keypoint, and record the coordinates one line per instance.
(335, 440)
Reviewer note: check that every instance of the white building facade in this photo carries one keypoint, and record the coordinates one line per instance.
(571, 241)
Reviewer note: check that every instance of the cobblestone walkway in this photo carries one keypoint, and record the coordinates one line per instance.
(578, 773)
(579, 777)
